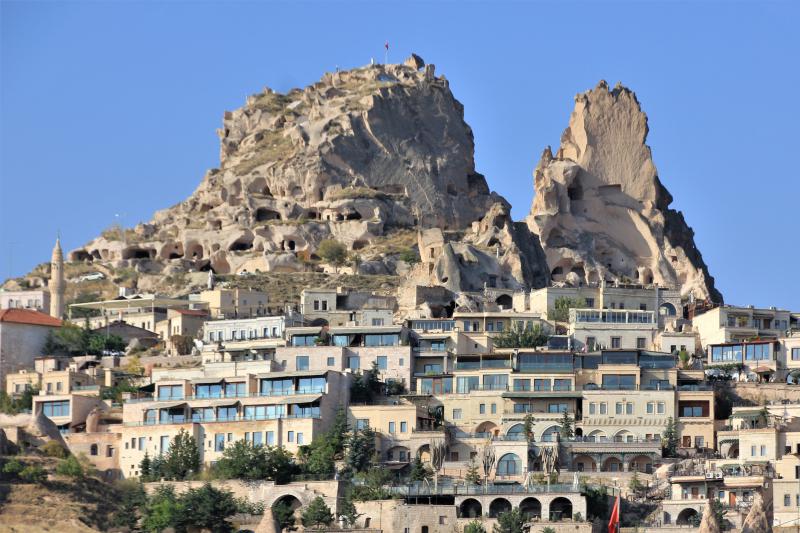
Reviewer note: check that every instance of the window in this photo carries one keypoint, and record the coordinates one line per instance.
(403, 427)
(331, 361)
(494, 408)
(562, 384)
(651, 407)
(142, 443)
(541, 384)
(699, 442)
(234, 390)
(270, 438)
(59, 386)
(381, 361)
(522, 384)
(661, 408)
(557, 408)
(591, 343)
(616, 342)
(392, 428)
(509, 465)
(109, 451)
(456, 414)
(763, 450)
(464, 385)
(301, 362)
(209, 391)
(299, 438)
(619, 408)
(59, 408)
(603, 408)
(401, 362)
(482, 409)
(362, 423)
(619, 382)
(592, 408)
(353, 362)
(93, 449)
(290, 436)
(219, 442)
(164, 447)
(628, 408)
(795, 354)
(640, 342)
(787, 500)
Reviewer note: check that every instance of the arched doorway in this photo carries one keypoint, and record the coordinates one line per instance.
(687, 517)
(530, 508)
(560, 509)
(551, 434)
(584, 463)
(504, 301)
(470, 508)
(285, 511)
(624, 436)
(516, 432)
(424, 453)
(499, 506)
(509, 465)
(612, 464)
(487, 428)
(641, 463)
(666, 309)
(597, 436)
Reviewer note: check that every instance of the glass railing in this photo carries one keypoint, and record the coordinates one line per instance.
(544, 367)
(242, 418)
(274, 393)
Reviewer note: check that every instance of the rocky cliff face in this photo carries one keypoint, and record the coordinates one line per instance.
(353, 157)
(600, 209)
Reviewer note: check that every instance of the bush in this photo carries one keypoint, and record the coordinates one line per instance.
(52, 448)
(13, 468)
(317, 513)
(332, 252)
(475, 527)
(70, 467)
(33, 474)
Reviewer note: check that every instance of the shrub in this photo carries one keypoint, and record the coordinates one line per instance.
(475, 527)
(333, 252)
(13, 467)
(70, 467)
(317, 513)
(33, 474)
(52, 448)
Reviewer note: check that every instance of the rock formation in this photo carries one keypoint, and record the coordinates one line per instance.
(757, 520)
(351, 157)
(30, 429)
(600, 209)
(709, 522)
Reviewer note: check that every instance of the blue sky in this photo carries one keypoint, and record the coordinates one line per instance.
(111, 108)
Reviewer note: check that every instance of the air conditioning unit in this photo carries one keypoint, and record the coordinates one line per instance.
(709, 475)
(718, 475)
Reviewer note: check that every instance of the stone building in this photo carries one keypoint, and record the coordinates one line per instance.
(23, 334)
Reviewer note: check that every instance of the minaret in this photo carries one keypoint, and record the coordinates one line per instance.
(56, 284)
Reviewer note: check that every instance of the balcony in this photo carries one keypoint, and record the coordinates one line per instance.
(483, 364)
(612, 317)
(189, 420)
(545, 368)
(270, 394)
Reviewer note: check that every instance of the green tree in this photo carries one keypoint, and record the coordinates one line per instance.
(70, 467)
(635, 485)
(684, 356)
(283, 514)
(13, 406)
(183, 457)
(319, 457)
(360, 449)
(409, 256)
(242, 460)
(474, 527)
(527, 427)
(317, 514)
(161, 510)
(206, 508)
(567, 424)
(53, 448)
(144, 467)
(373, 486)
(510, 522)
(333, 252)
(13, 468)
(131, 498)
(419, 472)
(561, 307)
(348, 510)
(473, 476)
(521, 337)
(669, 442)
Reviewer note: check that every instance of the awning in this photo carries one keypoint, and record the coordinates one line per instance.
(297, 399)
(172, 405)
(395, 466)
(230, 402)
(207, 381)
(763, 370)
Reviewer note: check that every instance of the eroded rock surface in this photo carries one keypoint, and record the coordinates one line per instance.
(600, 209)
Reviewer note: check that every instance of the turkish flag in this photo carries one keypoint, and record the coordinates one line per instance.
(386, 45)
(613, 522)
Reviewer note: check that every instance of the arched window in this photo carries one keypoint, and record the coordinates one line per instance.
(509, 465)
(93, 449)
(517, 431)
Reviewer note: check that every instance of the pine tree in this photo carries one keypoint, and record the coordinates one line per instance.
(347, 509)
(183, 456)
(567, 431)
(144, 467)
(473, 477)
(419, 472)
(670, 441)
(317, 513)
(527, 428)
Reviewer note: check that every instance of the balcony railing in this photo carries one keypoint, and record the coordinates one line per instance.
(275, 393)
(195, 420)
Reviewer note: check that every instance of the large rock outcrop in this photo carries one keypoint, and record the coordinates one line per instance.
(600, 209)
(351, 157)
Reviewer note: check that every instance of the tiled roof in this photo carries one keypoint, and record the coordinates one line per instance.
(28, 316)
